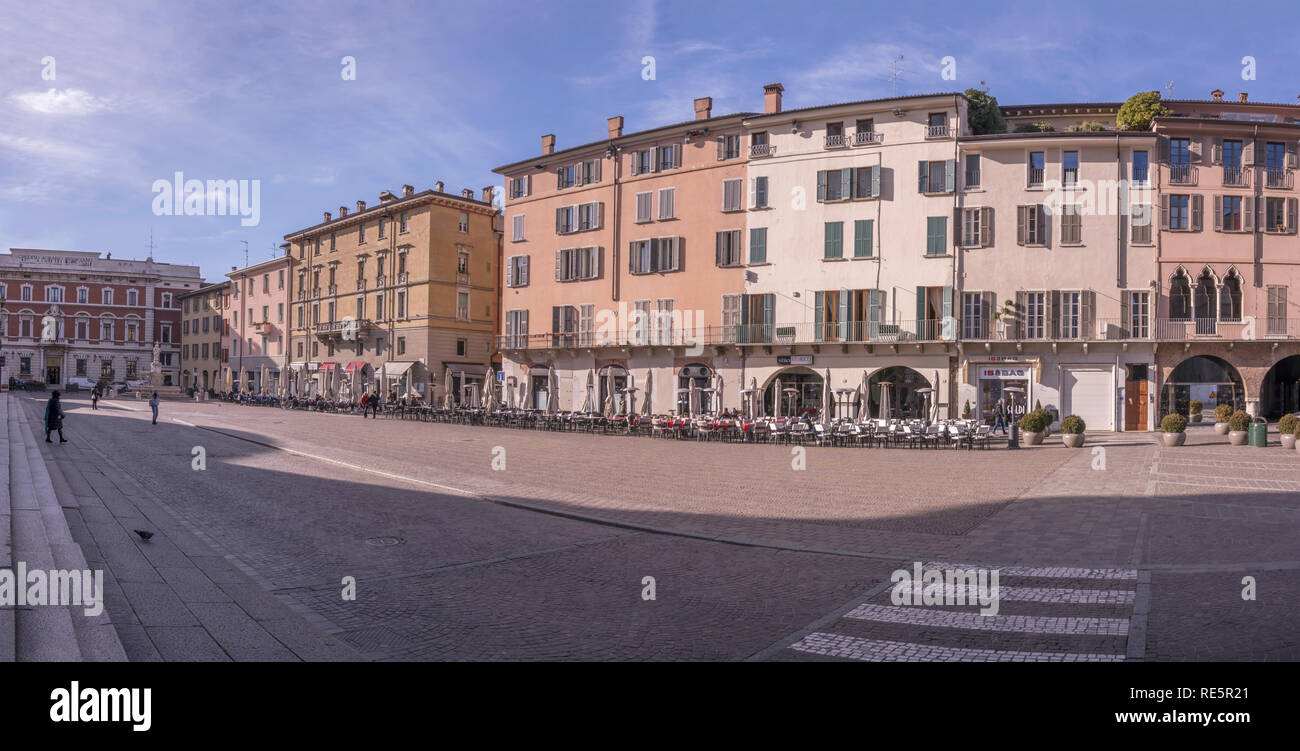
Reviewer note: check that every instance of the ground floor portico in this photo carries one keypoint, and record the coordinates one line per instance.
(56, 364)
(1260, 377)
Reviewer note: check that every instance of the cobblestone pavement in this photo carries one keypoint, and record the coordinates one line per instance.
(750, 558)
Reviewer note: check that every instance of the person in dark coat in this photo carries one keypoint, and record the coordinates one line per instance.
(54, 418)
(94, 397)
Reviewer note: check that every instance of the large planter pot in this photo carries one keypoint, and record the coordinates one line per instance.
(1073, 440)
(1032, 439)
(1288, 442)
(1221, 428)
(1196, 417)
(1173, 439)
(1237, 437)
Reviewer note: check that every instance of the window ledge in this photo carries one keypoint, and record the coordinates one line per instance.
(1072, 245)
(833, 260)
(937, 255)
(937, 193)
(864, 258)
(761, 263)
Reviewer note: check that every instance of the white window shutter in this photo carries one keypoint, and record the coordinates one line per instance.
(654, 159)
(523, 270)
(636, 163)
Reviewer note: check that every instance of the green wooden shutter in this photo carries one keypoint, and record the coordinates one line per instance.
(923, 177)
(821, 185)
(758, 245)
(950, 175)
(742, 329)
(875, 181)
(936, 231)
(846, 183)
(819, 318)
(769, 316)
(834, 246)
(862, 236)
(920, 310)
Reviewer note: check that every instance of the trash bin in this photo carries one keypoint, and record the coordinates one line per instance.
(1259, 433)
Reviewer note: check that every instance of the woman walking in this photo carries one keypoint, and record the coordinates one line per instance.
(54, 418)
(94, 397)
(153, 404)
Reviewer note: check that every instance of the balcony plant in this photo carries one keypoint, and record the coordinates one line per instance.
(1222, 414)
(1174, 429)
(1238, 425)
(1194, 410)
(1288, 426)
(1034, 427)
(1072, 428)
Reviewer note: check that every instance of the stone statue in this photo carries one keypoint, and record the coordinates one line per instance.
(155, 367)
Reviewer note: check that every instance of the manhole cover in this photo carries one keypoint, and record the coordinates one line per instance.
(384, 541)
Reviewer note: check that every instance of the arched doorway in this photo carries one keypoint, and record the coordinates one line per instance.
(904, 399)
(696, 375)
(1206, 378)
(802, 390)
(1280, 393)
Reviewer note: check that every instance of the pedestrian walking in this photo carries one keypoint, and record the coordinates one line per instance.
(1000, 416)
(94, 397)
(54, 418)
(153, 404)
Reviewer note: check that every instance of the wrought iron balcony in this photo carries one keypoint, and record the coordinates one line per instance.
(936, 131)
(868, 138)
(761, 149)
(836, 142)
(1182, 174)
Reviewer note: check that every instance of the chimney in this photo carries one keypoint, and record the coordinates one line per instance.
(772, 98)
(327, 216)
(1242, 97)
(361, 206)
(467, 193)
(408, 191)
(387, 196)
(343, 211)
(1217, 95)
(438, 186)
(548, 143)
(615, 126)
(487, 194)
(703, 108)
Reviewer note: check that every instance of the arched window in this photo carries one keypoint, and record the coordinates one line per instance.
(1230, 298)
(1180, 297)
(1203, 302)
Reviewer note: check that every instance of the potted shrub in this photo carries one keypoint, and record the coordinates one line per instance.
(965, 411)
(1222, 414)
(1072, 429)
(1194, 410)
(1175, 430)
(1288, 426)
(1238, 425)
(1034, 427)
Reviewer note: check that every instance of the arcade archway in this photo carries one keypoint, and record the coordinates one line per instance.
(1206, 378)
(1280, 392)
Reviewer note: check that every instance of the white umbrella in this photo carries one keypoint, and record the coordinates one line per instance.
(828, 398)
(718, 406)
(645, 398)
(865, 398)
(589, 404)
(934, 398)
(609, 393)
(553, 395)
(489, 393)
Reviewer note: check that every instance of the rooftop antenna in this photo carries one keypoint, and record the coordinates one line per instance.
(274, 250)
(150, 245)
(894, 76)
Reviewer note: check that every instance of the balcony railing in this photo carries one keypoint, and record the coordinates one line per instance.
(1234, 177)
(836, 142)
(1035, 176)
(936, 131)
(1279, 179)
(1199, 328)
(761, 149)
(868, 138)
(1182, 174)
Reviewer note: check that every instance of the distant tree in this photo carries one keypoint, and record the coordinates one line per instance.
(1038, 127)
(1140, 109)
(1088, 125)
(984, 114)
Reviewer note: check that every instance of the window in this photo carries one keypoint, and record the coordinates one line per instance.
(519, 186)
(132, 331)
(516, 328)
(1230, 297)
(1277, 310)
(663, 321)
(53, 294)
(1031, 223)
(1034, 304)
(361, 307)
(643, 161)
(1037, 164)
(863, 238)
(1183, 213)
(834, 185)
(315, 314)
(644, 206)
(1074, 314)
(1071, 224)
(589, 172)
(1070, 168)
(105, 297)
(833, 240)
(731, 192)
(401, 345)
(758, 245)
(383, 227)
(728, 147)
(280, 280)
(1141, 166)
(1140, 224)
(83, 295)
(461, 347)
(83, 328)
(566, 177)
(577, 264)
(1227, 213)
(517, 271)
(727, 247)
(361, 233)
(379, 346)
(866, 182)
(1180, 297)
(26, 293)
(132, 297)
(279, 312)
(379, 306)
(577, 218)
(936, 235)
(462, 222)
(518, 223)
(977, 227)
(670, 157)
(937, 125)
(462, 306)
(667, 199)
(975, 310)
(1279, 215)
(758, 192)
(334, 238)
(655, 255)
(936, 177)
(25, 327)
(106, 330)
(972, 170)
(401, 304)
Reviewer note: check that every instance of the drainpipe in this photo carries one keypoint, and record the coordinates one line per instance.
(613, 252)
(957, 174)
(1120, 247)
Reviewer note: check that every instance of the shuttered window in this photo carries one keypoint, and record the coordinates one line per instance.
(833, 246)
(518, 223)
(731, 195)
(728, 250)
(863, 238)
(758, 245)
(1071, 225)
(667, 198)
(655, 255)
(644, 206)
(577, 264)
(1031, 225)
(936, 235)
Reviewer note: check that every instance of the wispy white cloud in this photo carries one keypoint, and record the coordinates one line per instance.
(61, 102)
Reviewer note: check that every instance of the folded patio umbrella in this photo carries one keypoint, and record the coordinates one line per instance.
(645, 398)
(489, 393)
(780, 397)
(719, 404)
(828, 398)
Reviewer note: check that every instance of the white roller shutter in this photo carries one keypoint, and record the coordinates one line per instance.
(1090, 394)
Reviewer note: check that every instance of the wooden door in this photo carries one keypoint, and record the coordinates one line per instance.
(1136, 397)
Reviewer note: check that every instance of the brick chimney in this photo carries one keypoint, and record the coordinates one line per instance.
(548, 143)
(387, 196)
(438, 186)
(615, 125)
(1242, 97)
(1217, 95)
(327, 216)
(408, 191)
(487, 194)
(704, 108)
(361, 206)
(772, 98)
(467, 193)
(343, 211)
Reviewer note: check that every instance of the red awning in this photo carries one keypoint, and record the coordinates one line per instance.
(355, 365)
(326, 367)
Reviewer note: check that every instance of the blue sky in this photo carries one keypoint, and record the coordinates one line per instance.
(449, 90)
